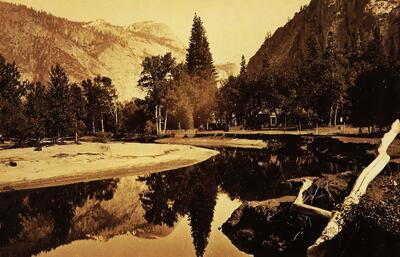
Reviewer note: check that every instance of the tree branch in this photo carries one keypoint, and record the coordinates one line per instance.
(306, 209)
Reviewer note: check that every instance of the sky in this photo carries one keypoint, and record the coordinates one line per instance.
(234, 27)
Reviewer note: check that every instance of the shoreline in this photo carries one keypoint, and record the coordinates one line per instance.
(219, 141)
(68, 164)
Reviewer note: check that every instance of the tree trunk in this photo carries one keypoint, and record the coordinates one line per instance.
(76, 131)
(116, 120)
(159, 120)
(335, 116)
(102, 123)
(284, 129)
(165, 121)
(93, 126)
(156, 116)
(342, 216)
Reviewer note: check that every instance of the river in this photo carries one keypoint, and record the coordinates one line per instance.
(174, 213)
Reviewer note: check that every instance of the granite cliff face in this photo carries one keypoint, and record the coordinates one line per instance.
(36, 40)
(346, 18)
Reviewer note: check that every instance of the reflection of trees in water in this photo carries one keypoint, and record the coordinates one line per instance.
(260, 174)
(201, 208)
(245, 174)
(192, 191)
(55, 204)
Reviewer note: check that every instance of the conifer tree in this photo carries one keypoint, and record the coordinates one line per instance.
(59, 96)
(310, 78)
(200, 67)
(91, 93)
(243, 67)
(375, 56)
(77, 108)
(332, 91)
(106, 99)
(11, 90)
(36, 110)
(198, 57)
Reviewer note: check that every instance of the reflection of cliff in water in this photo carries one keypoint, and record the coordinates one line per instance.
(40, 220)
(37, 220)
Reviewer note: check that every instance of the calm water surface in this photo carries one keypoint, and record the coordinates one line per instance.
(175, 213)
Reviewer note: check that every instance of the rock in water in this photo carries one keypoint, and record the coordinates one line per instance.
(271, 228)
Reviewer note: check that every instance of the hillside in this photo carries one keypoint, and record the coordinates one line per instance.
(36, 40)
(346, 18)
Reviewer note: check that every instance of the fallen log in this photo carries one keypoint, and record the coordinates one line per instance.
(307, 209)
(338, 219)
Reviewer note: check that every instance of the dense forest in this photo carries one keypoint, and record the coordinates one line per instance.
(352, 84)
(360, 85)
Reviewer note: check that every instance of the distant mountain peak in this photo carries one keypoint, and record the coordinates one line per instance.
(157, 29)
(35, 40)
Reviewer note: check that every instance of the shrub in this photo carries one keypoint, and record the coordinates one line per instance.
(149, 128)
(103, 137)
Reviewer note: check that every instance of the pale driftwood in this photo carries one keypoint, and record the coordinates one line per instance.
(337, 222)
(306, 209)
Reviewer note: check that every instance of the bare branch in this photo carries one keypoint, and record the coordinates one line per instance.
(306, 209)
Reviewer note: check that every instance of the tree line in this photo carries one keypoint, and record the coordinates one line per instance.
(34, 111)
(357, 83)
(180, 95)
(360, 84)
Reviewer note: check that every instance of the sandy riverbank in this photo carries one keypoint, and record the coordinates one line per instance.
(65, 164)
(215, 142)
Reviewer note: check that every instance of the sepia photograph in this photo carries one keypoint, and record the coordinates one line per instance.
(199, 128)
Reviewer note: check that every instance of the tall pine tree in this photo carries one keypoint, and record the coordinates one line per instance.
(200, 67)
(198, 57)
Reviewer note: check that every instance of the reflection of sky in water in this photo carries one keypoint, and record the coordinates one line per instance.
(178, 243)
